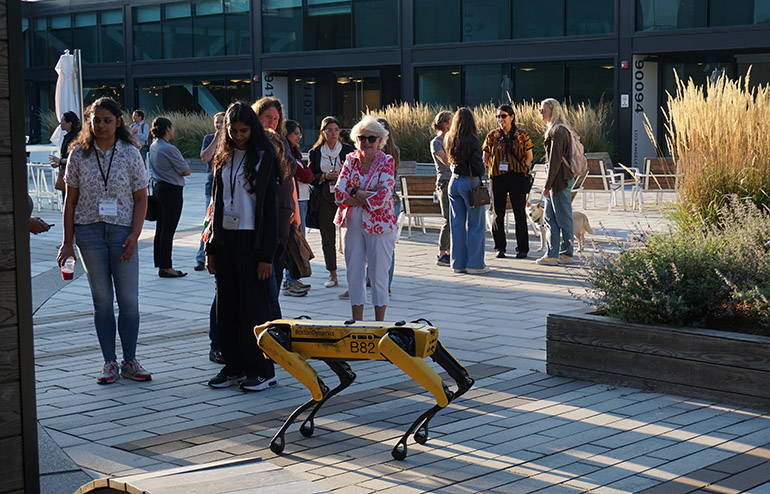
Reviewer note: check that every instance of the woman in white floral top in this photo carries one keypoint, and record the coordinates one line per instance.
(106, 200)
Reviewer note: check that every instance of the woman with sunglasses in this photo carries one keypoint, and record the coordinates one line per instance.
(508, 154)
(364, 194)
(326, 158)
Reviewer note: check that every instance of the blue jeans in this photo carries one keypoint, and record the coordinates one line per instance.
(200, 256)
(558, 215)
(466, 225)
(101, 245)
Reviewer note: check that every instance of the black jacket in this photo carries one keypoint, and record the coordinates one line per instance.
(475, 161)
(314, 155)
(265, 213)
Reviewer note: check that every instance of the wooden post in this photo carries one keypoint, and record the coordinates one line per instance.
(19, 469)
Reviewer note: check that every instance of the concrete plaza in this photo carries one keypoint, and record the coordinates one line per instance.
(517, 430)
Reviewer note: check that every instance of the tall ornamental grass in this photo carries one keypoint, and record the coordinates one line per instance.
(719, 132)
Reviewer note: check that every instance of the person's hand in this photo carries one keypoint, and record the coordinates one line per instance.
(264, 270)
(65, 252)
(296, 219)
(546, 192)
(37, 225)
(211, 264)
(217, 135)
(129, 245)
(134, 130)
(54, 160)
(332, 175)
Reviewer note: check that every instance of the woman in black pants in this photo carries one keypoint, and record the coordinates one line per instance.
(168, 169)
(326, 159)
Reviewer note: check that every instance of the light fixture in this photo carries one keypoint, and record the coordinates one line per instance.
(455, 73)
(608, 67)
(527, 69)
(298, 79)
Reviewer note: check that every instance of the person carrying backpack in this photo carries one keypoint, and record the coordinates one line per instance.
(558, 184)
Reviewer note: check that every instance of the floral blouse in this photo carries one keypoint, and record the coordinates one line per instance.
(379, 214)
(126, 175)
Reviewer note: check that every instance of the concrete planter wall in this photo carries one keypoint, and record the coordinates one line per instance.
(702, 363)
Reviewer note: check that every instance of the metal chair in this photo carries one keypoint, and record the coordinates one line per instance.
(602, 179)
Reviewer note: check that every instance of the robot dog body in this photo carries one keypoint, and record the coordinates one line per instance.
(289, 342)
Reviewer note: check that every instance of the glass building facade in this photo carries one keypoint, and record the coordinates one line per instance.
(343, 57)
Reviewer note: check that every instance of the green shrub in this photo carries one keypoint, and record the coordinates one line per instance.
(714, 276)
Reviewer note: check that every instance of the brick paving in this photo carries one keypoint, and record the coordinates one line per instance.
(517, 430)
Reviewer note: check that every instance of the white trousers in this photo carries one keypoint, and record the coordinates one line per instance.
(364, 249)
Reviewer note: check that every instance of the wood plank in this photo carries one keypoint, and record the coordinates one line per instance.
(8, 300)
(7, 246)
(673, 370)
(5, 123)
(4, 79)
(10, 409)
(6, 184)
(12, 467)
(9, 354)
(742, 350)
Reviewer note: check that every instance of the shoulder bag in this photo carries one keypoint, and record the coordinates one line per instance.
(152, 203)
(478, 196)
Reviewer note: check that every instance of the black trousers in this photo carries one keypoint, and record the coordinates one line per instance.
(170, 201)
(327, 208)
(242, 302)
(513, 185)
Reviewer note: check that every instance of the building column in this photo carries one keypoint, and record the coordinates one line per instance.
(406, 43)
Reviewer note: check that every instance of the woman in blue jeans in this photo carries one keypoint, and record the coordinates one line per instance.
(466, 223)
(106, 199)
(558, 185)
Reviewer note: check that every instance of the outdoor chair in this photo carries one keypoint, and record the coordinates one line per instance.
(600, 178)
(660, 175)
(417, 196)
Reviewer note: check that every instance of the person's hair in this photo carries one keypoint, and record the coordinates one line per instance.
(372, 125)
(283, 170)
(390, 147)
(325, 123)
(86, 136)
(460, 135)
(509, 110)
(263, 104)
(72, 118)
(218, 114)
(558, 115)
(160, 127)
(240, 111)
(140, 113)
(291, 126)
(441, 118)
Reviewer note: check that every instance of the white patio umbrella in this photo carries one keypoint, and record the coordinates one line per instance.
(69, 95)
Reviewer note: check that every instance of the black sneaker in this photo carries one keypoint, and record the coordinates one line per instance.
(225, 380)
(500, 254)
(442, 260)
(258, 383)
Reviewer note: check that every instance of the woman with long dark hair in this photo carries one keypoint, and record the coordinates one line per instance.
(466, 221)
(168, 169)
(326, 159)
(240, 246)
(69, 123)
(508, 154)
(104, 210)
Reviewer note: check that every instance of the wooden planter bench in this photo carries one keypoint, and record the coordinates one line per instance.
(715, 365)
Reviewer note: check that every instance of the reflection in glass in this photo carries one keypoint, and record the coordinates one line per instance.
(147, 38)
(281, 26)
(590, 81)
(111, 36)
(177, 30)
(375, 23)
(59, 36)
(436, 21)
(85, 36)
(327, 25)
(93, 90)
(40, 56)
(485, 20)
(485, 83)
(237, 33)
(541, 19)
(439, 85)
(595, 17)
(538, 81)
(654, 15)
(209, 29)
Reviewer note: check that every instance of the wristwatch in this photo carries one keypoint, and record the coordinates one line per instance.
(353, 191)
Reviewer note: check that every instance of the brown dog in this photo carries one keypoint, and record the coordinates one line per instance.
(536, 214)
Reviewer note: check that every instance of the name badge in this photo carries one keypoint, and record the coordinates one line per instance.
(108, 207)
(503, 166)
(230, 220)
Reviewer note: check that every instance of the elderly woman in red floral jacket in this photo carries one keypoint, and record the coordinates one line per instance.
(364, 194)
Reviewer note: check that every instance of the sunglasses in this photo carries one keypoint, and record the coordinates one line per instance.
(503, 116)
(371, 139)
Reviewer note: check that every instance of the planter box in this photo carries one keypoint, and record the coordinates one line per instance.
(702, 363)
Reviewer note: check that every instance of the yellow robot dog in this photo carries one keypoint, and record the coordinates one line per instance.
(289, 342)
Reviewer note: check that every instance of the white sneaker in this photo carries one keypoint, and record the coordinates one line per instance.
(461, 270)
(484, 270)
(565, 259)
(548, 261)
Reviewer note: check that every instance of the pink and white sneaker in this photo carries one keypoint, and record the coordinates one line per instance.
(134, 370)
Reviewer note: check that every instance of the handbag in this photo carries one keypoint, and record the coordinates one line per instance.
(311, 217)
(530, 182)
(299, 254)
(152, 203)
(60, 185)
(478, 196)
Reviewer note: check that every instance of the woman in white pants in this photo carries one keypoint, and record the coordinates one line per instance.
(364, 194)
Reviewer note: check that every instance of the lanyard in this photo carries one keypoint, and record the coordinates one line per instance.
(109, 167)
(333, 162)
(234, 178)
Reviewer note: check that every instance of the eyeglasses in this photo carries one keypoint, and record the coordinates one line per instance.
(502, 116)
(371, 139)
(331, 131)
(298, 134)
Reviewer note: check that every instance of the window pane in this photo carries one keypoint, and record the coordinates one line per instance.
(436, 21)
(149, 96)
(59, 36)
(700, 70)
(210, 95)
(281, 26)
(208, 7)
(327, 25)
(85, 36)
(27, 34)
(93, 90)
(147, 39)
(375, 23)
(209, 35)
(112, 43)
(761, 12)
(238, 88)
(590, 80)
(439, 85)
(539, 19)
(61, 22)
(177, 30)
(178, 95)
(653, 15)
(732, 13)
(596, 17)
(485, 83)
(485, 20)
(41, 41)
(236, 6)
(237, 34)
(112, 17)
(538, 81)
